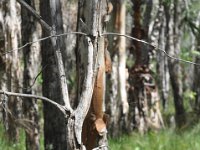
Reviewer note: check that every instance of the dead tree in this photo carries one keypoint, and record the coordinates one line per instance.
(92, 68)
(10, 69)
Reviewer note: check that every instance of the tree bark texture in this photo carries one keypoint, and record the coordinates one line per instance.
(196, 78)
(143, 93)
(172, 14)
(70, 10)
(92, 14)
(10, 24)
(116, 97)
(54, 121)
(157, 38)
(31, 68)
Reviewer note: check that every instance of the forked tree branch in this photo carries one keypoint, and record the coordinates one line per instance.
(86, 95)
(60, 107)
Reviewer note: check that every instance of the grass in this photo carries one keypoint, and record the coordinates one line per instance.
(168, 139)
(165, 140)
(6, 145)
(20, 145)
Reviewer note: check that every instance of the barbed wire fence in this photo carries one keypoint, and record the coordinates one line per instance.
(60, 107)
(103, 34)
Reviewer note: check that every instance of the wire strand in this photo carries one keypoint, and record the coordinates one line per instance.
(105, 34)
(169, 56)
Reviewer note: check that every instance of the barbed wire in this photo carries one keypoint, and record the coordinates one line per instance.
(105, 34)
(154, 46)
(42, 39)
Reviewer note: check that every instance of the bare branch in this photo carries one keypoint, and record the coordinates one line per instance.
(60, 107)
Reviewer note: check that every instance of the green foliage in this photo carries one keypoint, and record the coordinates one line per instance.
(6, 145)
(189, 99)
(165, 140)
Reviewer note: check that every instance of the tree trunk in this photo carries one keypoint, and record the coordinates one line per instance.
(11, 35)
(172, 12)
(117, 103)
(92, 14)
(54, 121)
(197, 79)
(31, 67)
(157, 38)
(143, 93)
(69, 24)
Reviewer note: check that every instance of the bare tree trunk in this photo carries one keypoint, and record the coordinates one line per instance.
(172, 12)
(31, 67)
(2, 58)
(11, 35)
(54, 121)
(143, 93)
(157, 38)
(94, 127)
(70, 9)
(122, 71)
(197, 79)
(117, 103)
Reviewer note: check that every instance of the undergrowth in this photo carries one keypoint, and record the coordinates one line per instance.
(167, 139)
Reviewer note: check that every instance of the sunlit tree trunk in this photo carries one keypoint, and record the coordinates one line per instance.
(158, 39)
(10, 12)
(117, 103)
(54, 121)
(31, 69)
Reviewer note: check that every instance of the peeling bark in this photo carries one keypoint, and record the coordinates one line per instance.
(92, 14)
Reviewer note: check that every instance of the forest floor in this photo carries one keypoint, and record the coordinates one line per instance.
(168, 139)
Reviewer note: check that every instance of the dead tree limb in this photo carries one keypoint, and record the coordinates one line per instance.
(60, 107)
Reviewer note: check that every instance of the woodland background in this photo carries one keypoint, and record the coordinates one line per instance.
(148, 97)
